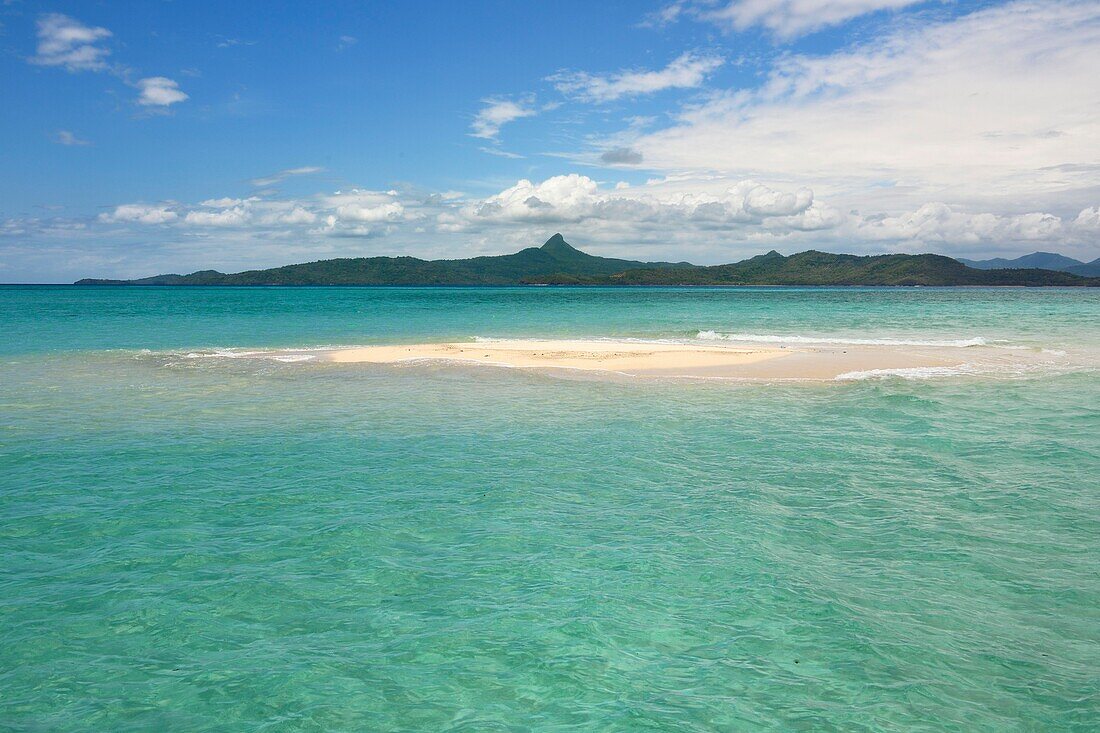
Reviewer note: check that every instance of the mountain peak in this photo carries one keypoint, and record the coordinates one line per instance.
(556, 245)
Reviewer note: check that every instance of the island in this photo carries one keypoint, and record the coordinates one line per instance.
(558, 263)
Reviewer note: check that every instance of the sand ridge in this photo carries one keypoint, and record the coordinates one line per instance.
(640, 358)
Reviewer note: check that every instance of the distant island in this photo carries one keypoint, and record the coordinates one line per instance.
(558, 263)
(1040, 261)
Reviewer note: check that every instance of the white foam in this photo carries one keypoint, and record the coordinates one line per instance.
(283, 355)
(905, 373)
(758, 338)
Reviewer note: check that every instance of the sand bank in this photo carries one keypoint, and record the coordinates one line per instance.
(663, 359)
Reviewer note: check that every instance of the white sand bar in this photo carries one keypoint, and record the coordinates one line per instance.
(639, 358)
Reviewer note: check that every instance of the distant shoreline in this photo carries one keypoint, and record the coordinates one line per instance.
(805, 362)
(557, 263)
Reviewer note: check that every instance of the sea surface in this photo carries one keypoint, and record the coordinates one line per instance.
(197, 534)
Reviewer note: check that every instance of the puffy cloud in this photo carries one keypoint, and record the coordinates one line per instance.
(66, 137)
(983, 110)
(1088, 220)
(231, 217)
(297, 215)
(284, 174)
(938, 223)
(365, 207)
(159, 91)
(66, 42)
(575, 198)
(140, 214)
(703, 219)
(384, 212)
(790, 18)
(499, 112)
(687, 71)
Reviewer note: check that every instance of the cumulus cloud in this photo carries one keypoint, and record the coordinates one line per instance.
(368, 207)
(1088, 220)
(938, 223)
(66, 42)
(687, 71)
(284, 174)
(983, 110)
(499, 112)
(66, 137)
(139, 214)
(788, 18)
(297, 215)
(159, 91)
(575, 198)
(700, 219)
(233, 216)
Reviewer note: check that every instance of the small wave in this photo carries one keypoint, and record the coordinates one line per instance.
(775, 339)
(904, 373)
(284, 356)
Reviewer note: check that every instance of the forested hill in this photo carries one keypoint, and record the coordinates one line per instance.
(554, 258)
(558, 263)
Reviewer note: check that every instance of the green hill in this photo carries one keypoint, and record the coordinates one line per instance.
(1033, 261)
(823, 268)
(555, 257)
(558, 263)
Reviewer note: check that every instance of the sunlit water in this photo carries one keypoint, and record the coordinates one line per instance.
(246, 544)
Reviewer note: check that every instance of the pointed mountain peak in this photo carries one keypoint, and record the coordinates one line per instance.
(557, 246)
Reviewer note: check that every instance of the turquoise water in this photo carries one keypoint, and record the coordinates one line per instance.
(242, 544)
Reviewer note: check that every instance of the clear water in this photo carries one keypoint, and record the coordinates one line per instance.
(235, 544)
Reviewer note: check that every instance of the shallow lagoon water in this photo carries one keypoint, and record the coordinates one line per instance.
(231, 544)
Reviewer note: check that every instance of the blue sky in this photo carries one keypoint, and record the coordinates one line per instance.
(142, 137)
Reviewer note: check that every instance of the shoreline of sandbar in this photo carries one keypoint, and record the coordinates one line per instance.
(652, 359)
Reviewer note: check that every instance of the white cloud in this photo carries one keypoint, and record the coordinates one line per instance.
(790, 18)
(1088, 220)
(139, 214)
(298, 215)
(159, 91)
(500, 153)
(222, 203)
(230, 42)
(687, 71)
(66, 42)
(698, 218)
(231, 217)
(989, 109)
(726, 218)
(499, 112)
(575, 198)
(666, 15)
(284, 174)
(938, 223)
(346, 42)
(365, 207)
(66, 137)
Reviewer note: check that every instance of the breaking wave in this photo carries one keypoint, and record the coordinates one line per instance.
(757, 338)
